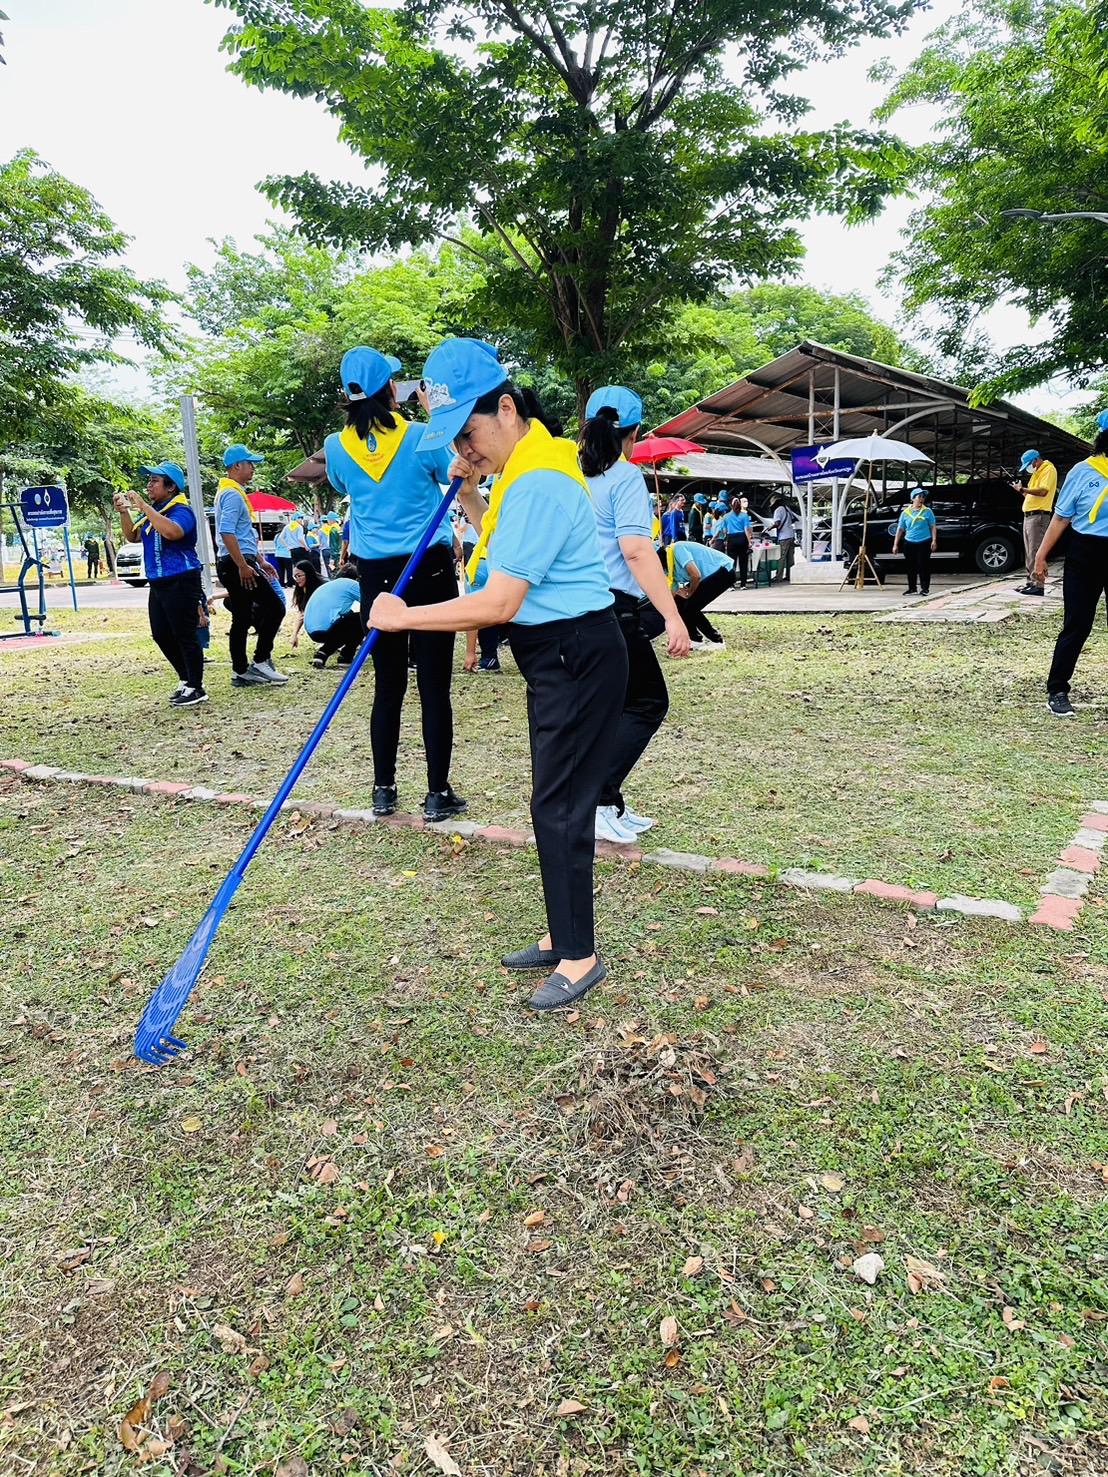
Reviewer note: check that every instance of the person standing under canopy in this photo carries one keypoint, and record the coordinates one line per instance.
(245, 573)
(394, 487)
(621, 502)
(166, 525)
(548, 581)
(1082, 508)
(1038, 500)
(916, 526)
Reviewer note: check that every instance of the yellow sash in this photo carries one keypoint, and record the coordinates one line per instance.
(179, 500)
(1098, 464)
(376, 462)
(671, 565)
(229, 482)
(537, 451)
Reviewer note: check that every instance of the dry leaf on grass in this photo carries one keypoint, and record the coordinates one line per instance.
(294, 1466)
(230, 1341)
(859, 1424)
(535, 1218)
(442, 1459)
(132, 1436)
(922, 1276)
(693, 1267)
(191, 1124)
(668, 1331)
(295, 1285)
(571, 1407)
(1011, 1321)
(831, 1181)
(330, 1128)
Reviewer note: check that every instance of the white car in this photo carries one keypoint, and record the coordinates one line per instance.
(128, 564)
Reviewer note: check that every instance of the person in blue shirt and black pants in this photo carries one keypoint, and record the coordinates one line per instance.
(393, 484)
(548, 580)
(166, 525)
(245, 574)
(621, 503)
(1082, 507)
(736, 528)
(916, 526)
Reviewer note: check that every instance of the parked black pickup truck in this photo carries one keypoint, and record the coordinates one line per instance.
(979, 525)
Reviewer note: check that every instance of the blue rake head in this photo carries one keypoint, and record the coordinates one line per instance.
(154, 1041)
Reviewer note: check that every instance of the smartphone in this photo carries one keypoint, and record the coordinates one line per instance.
(407, 390)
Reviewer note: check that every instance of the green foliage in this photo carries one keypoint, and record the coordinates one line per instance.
(616, 166)
(1020, 85)
(62, 297)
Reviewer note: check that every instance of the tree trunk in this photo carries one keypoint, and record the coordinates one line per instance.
(109, 545)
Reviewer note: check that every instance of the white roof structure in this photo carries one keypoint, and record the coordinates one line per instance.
(714, 466)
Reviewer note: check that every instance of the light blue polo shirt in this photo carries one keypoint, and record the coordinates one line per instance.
(546, 535)
(735, 523)
(621, 503)
(916, 527)
(703, 557)
(1080, 490)
(329, 603)
(232, 517)
(388, 517)
(162, 558)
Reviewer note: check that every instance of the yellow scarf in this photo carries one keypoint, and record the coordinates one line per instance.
(671, 565)
(179, 500)
(537, 451)
(1098, 464)
(229, 482)
(376, 462)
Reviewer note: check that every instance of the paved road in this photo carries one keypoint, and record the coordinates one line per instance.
(89, 597)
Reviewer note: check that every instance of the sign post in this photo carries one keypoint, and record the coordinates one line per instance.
(196, 493)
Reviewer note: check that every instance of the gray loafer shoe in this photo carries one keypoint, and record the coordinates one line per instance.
(556, 991)
(531, 958)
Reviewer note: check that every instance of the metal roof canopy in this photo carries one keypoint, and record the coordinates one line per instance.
(814, 395)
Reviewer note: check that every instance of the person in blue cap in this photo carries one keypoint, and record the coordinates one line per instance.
(166, 524)
(394, 487)
(1038, 501)
(547, 579)
(245, 573)
(621, 502)
(917, 528)
(1082, 507)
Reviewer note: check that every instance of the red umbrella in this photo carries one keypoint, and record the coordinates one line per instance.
(660, 448)
(655, 449)
(269, 502)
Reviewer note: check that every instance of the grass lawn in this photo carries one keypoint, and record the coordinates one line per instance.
(920, 755)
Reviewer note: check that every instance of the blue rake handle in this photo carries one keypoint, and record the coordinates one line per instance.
(153, 1040)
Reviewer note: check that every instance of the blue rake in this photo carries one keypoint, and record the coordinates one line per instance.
(154, 1041)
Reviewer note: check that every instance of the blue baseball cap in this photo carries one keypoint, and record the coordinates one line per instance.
(455, 377)
(166, 469)
(365, 372)
(240, 453)
(1027, 458)
(1102, 421)
(394, 363)
(701, 500)
(624, 402)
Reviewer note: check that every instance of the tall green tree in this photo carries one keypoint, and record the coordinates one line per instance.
(63, 294)
(1022, 89)
(618, 163)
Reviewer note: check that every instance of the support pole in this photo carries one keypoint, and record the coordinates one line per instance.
(806, 531)
(196, 493)
(69, 561)
(836, 491)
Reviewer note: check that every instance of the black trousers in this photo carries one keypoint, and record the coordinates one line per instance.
(576, 674)
(917, 559)
(92, 566)
(173, 607)
(283, 564)
(489, 639)
(1084, 580)
(260, 608)
(738, 551)
(645, 701)
(691, 609)
(344, 636)
(433, 654)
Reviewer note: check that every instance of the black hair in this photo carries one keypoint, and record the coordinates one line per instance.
(1100, 445)
(600, 443)
(527, 404)
(312, 581)
(347, 571)
(374, 413)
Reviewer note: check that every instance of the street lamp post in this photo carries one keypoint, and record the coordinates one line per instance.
(1066, 215)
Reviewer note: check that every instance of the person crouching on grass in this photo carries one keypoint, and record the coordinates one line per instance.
(166, 525)
(548, 581)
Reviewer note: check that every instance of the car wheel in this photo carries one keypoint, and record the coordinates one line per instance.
(996, 554)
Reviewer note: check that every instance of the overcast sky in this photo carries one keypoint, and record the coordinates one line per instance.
(131, 99)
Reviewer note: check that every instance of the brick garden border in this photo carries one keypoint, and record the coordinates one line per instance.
(1062, 894)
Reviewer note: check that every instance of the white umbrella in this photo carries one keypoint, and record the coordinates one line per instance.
(869, 449)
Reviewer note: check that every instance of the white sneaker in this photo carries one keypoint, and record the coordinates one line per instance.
(269, 672)
(636, 823)
(610, 827)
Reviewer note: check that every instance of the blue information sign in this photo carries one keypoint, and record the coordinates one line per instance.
(44, 507)
(807, 469)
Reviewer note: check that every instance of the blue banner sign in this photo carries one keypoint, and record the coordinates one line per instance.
(44, 507)
(807, 469)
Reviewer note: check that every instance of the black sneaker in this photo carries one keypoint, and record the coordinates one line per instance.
(1033, 590)
(1060, 705)
(440, 805)
(384, 799)
(343, 661)
(189, 697)
(489, 664)
(319, 662)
